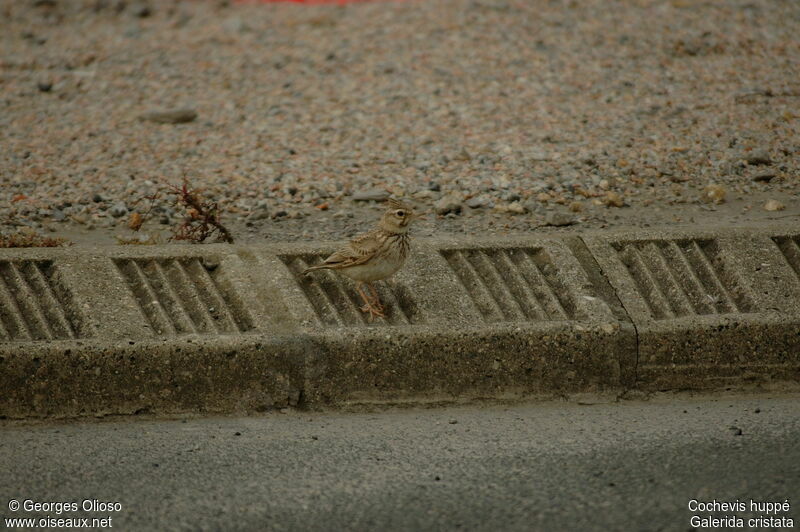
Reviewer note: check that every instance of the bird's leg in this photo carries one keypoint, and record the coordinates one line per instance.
(363, 295)
(369, 307)
(377, 301)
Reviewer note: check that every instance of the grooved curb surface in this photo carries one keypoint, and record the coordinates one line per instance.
(231, 328)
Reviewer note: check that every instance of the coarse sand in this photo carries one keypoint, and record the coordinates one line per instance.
(495, 116)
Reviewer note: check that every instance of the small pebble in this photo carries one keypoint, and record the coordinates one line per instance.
(475, 203)
(448, 205)
(511, 208)
(758, 156)
(141, 10)
(373, 194)
(260, 213)
(559, 219)
(118, 210)
(774, 205)
(714, 194)
(516, 207)
(210, 263)
(175, 116)
(234, 24)
(613, 199)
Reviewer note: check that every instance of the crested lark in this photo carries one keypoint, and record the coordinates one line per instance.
(375, 255)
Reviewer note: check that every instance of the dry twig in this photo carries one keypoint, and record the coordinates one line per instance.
(202, 216)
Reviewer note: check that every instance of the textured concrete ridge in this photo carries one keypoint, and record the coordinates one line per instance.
(708, 306)
(231, 328)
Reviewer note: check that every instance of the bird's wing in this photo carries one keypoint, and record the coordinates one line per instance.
(358, 251)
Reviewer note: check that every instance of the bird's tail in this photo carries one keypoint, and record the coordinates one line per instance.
(318, 267)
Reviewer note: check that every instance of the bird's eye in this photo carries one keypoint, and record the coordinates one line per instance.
(400, 214)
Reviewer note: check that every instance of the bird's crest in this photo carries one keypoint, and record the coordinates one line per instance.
(397, 204)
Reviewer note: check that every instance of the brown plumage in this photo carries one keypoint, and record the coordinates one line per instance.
(375, 255)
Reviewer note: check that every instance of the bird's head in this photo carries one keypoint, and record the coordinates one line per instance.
(397, 217)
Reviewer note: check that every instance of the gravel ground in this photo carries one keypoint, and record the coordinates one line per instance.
(501, 116)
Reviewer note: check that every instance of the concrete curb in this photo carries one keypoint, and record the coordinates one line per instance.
(708, 306)
(225, 328)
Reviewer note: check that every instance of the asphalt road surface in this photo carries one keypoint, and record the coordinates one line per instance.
(633, 465)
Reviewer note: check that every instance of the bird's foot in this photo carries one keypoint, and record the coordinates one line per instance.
(374, 300)
(374, 311)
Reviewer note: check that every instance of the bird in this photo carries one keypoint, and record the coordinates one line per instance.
(375, 255)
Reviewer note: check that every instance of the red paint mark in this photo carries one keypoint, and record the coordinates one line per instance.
(311, 2)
